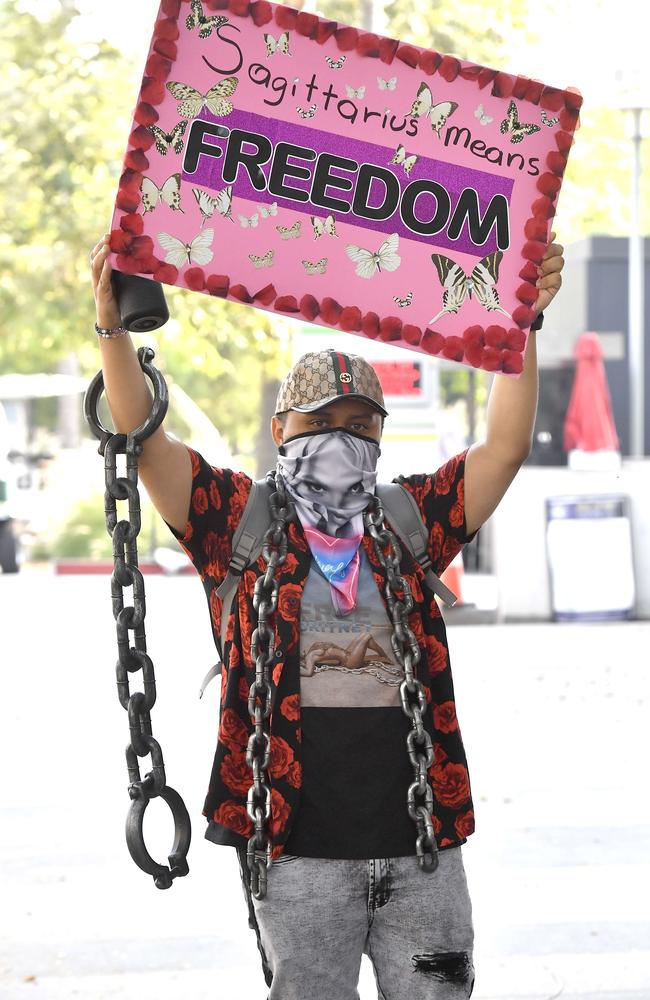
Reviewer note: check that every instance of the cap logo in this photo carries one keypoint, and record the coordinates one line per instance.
(345, 377)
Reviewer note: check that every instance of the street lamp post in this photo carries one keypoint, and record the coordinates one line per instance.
(636, 297)
(634, 98)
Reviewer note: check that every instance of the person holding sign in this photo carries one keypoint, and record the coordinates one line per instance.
(369, 797)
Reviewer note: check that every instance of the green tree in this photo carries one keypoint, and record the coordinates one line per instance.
(67, 109)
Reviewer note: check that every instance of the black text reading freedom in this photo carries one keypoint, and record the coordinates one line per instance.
(317, 169)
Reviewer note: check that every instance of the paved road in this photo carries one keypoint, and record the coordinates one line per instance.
(555, 724)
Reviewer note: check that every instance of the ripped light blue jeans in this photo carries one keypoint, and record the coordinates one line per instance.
(320, 915)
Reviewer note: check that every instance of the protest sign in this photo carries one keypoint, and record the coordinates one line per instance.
(313, 169)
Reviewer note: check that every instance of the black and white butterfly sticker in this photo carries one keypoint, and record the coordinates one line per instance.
(168, 140)
(274, 45)
(326, 225)
(424, 105)
(315, 267)
(406, 301)
(457, 286)
(407, 160)
(205, 24)
(265, 261)
(208, 204)
(169, 194)
(335, 63)
(289, 232)
(309, 113)
(518, 130)
(192, 100)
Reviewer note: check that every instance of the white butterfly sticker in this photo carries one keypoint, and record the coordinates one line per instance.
(315, 267)
(179, 253)
(249, 223)
(369, 262)
(289, 232)
(169, 193)
(457, 286)
(320, 226)
(267, 210)
(216, 99)
(423, 105)
(482, 116)
(352, 93)
(281, 45)
(407, 161)
(387, 84)
(265, 261)
(209, 204)
(335, 63)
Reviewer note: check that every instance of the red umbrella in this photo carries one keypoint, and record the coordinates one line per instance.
(589, 423)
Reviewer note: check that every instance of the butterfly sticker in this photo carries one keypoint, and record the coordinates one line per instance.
(179, 253)
(206, 25)
(406, 301)
(168, 140)
(321, 226)
(369, 262)
(169, 193)
(387, 84)
(209, 204)
(281, 45)
(546, 120)
(335, 63)
(457, 286)
(309, 113)
(193, 100)
(408, 162)
(512, 124)
(439, 113)
(289, 232)
(352, 93)
(482, 116)
(267, 210)
(249, 223)
(317, 267)
(265, 261)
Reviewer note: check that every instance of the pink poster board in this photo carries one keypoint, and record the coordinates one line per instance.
(313, 169)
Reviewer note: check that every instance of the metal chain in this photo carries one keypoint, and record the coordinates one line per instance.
(260, 696)
(131, 658)
(419, 798)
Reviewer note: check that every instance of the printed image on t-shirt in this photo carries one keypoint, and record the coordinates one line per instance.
(346, 660)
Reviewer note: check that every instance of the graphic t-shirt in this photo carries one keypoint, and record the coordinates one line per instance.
(355, 767)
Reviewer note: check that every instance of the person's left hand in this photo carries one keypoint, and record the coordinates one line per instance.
(550, 279)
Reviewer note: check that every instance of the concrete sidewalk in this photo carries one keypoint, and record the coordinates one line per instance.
(555, 724)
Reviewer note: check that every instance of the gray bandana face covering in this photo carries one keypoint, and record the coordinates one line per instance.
(330, 475)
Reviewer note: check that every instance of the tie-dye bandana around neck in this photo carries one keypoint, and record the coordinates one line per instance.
(331, 476)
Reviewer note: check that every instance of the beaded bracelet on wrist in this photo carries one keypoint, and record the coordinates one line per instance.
(114, 331)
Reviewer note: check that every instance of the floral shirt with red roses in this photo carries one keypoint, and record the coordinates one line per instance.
(218, 498)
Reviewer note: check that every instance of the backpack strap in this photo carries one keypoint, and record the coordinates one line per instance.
(404, 515)
(246, 547)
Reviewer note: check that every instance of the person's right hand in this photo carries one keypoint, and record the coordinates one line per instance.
(108, 312)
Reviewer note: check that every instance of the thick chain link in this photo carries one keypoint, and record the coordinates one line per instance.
(260, 695)
(419, 798)
(126, 573)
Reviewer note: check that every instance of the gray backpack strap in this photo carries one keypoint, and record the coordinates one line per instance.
(246, 546)
(404, 514)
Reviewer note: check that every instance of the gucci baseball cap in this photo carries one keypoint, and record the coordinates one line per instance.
(321, 377)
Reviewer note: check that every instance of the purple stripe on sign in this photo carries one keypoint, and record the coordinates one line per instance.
(453, 178)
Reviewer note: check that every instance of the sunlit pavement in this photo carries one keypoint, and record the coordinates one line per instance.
(555, 724)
